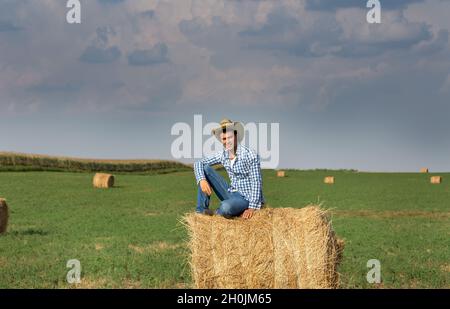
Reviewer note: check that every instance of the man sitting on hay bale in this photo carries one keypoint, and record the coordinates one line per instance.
(243, 195)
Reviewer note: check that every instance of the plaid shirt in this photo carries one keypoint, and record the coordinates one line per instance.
(245, 175)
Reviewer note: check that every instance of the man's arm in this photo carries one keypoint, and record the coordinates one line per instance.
(256, 184)
(200, 165)
(254, 202)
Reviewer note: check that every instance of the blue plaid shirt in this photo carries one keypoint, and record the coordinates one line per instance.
(245, 175)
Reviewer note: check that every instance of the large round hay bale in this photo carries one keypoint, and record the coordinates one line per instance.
(436, 179)
(4, 214)
(424, 170)
(277, 248)
(103, 180)
(329, 180)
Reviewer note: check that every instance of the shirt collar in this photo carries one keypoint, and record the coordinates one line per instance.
(238, 152)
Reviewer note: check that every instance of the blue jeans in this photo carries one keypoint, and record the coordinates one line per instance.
(232, 203)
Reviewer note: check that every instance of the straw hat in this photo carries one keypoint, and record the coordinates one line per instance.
(228, 125)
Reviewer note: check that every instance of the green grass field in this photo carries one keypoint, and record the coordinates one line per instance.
(130, 236)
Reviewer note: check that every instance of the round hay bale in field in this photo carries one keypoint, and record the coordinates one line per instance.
(436, 179)
(424, 170)
(276, 248)
(329, 180)
(4, 214)
(103, 180)
(281, 174)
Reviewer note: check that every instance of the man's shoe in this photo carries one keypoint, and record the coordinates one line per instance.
(208, 212)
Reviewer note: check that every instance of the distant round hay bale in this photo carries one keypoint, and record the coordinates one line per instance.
(4, 214)
(436, 179)
(103, 180)
(277, 248)
(281, 174)
(329, 180)
(424, 170)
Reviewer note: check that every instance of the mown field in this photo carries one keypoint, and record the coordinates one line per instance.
(130, 236)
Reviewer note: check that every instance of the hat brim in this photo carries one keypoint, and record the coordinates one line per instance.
(230, 126)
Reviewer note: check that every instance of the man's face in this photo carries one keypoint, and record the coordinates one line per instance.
(227, 139)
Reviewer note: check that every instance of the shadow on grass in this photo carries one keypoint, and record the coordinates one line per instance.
(29, 232)
(111, 188)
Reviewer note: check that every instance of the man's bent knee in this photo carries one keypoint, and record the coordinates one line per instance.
(208, 169)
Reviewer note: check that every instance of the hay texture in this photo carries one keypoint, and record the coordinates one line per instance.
(4, 214)
(424, 170)
(103, 181)
(329, 180)
(281, 174)
(436, 179)
(276, 248)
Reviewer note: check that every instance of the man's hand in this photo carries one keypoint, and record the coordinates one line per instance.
(248, 213)
(206, 188)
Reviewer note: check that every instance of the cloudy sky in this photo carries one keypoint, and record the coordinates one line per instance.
(346, 94)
